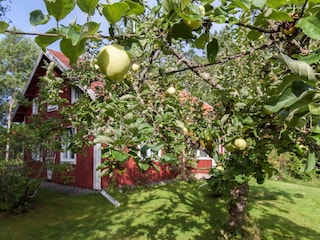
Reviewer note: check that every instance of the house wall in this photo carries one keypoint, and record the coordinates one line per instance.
(133, 176)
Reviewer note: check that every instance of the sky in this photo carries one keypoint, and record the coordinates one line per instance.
(20, 12)
(19, 15)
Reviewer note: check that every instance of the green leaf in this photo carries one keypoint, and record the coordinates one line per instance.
(179, 124)
(87, 6)
(286, 99)
(277, 15)
(104, 139)
(181, 31)
(134, 8)
(259, 3)
(299, 67)
(212, 50)
(143, 166)
(315, 129)
(127, 97)
(114, 12)
(254, 35)
(73, 34)
(316, 138)
(201, 41)
(89, 29)
(156, 167)
(241, 179)
(3, 26)
(311, 59)
(311, 162)
(45, 41)
(314, 108)
(59, 9)
(120, 156)
(38, 18)
(311, 26)
(275, 3)
(169, 5)
(133, 47)
(244, 4)
(71, 51)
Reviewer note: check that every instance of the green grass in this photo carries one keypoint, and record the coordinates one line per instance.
(286, 210)
(173, 211)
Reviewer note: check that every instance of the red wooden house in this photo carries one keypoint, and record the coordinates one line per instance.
(84, 164)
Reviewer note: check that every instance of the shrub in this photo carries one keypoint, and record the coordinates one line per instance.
(16, 187)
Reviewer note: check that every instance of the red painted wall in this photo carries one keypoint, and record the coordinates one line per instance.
(133, 176)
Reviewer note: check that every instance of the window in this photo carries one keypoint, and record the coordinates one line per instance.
(202, 154)
(145, 152)
(51, 108)
(68, 155)
(35, 106)
(75, 94)
(36, 153)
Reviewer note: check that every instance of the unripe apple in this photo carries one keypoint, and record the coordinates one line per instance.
(240, 143)
(171, 90)
(114, 62)
(194, 25)
(135, 67)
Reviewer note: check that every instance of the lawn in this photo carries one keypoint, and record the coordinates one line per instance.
(178, 210)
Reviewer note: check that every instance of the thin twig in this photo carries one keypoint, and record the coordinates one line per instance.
(303, 8)
(223, 60)
(196, 69)
(259, 29)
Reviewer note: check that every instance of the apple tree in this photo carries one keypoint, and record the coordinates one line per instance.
(264, 88)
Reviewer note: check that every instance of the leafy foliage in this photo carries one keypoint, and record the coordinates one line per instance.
(260, 73)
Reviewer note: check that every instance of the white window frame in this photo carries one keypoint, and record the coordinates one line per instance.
(149, 153)
(75, 94)
(200, 152)
(68, 156)
(35, 106)
(36, 153)
(51, 108)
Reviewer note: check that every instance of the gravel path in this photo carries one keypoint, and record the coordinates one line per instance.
(66, 189)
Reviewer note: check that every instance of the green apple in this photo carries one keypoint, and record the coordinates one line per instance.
(171, 90)
(114, 62)
(135, 67)
(240, 143)
(194, 25)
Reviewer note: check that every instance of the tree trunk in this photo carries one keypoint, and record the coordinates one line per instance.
(8, 129)
(237, 209)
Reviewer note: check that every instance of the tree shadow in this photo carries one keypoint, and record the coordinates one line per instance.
(273, 226)
(172, 211)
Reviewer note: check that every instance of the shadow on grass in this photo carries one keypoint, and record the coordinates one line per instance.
(274, 226)
(173, 211)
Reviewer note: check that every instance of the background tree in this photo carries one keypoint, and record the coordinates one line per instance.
(4, 8)
(18, 55)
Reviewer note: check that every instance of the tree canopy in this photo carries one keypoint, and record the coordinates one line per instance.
(260, 75)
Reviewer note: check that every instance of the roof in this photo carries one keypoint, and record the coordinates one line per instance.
(60, 57)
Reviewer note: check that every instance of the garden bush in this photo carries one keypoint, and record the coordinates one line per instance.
(16, 186)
